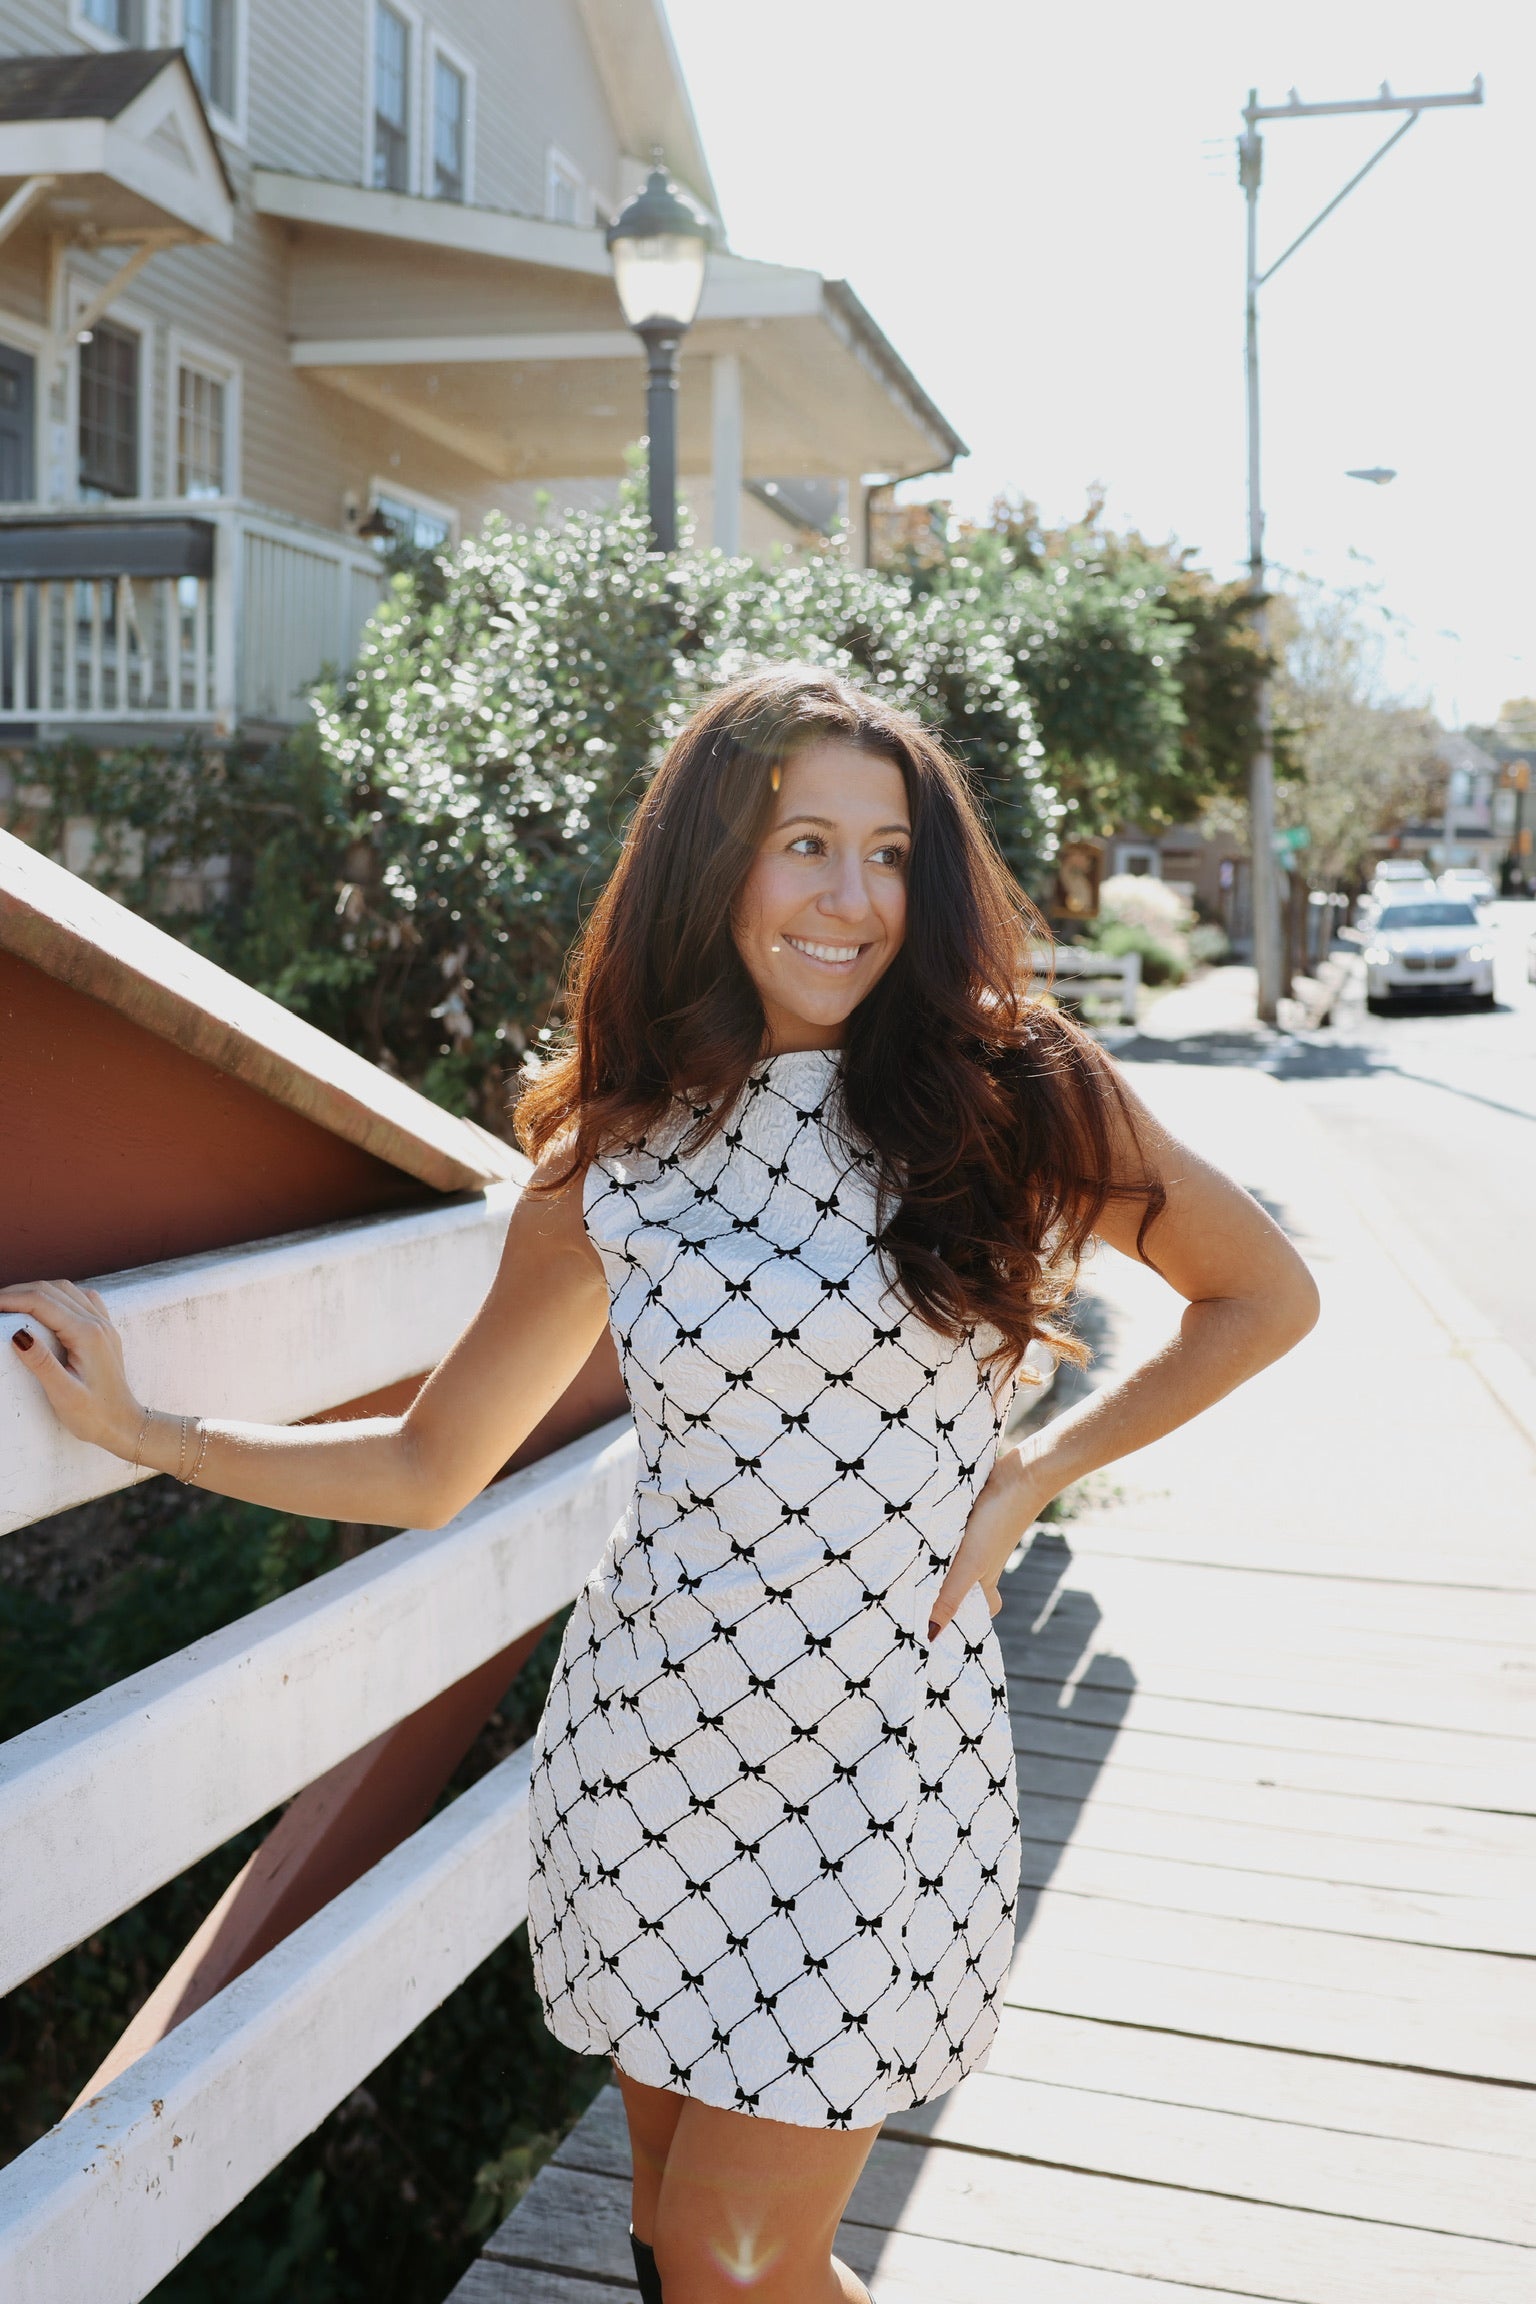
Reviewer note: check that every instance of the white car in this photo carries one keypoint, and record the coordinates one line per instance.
(1400, 873)
(1468, 883)
(1428, 947)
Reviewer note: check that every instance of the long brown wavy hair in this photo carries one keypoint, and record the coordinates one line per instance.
(993, 1117)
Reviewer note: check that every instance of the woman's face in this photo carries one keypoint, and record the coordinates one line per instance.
(824, 908)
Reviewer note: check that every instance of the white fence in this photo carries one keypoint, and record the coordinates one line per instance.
(106, 648)
(275, 603)
(125, 1791)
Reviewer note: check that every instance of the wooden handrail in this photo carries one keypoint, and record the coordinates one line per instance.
(104, 1803)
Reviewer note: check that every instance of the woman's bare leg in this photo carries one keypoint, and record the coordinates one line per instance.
(748, 2209)
(653, 2114)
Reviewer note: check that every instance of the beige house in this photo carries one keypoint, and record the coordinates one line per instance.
(270, 266)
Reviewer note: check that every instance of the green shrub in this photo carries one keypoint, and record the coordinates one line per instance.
(1208, 943)
(1160, 963)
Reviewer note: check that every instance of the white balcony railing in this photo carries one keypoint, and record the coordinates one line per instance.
(128, 1789)
(183, 613)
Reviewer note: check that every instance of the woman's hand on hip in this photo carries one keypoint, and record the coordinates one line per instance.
(1012, 1499)
(76, 1355)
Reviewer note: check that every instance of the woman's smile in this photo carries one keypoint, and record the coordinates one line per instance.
(826, 955)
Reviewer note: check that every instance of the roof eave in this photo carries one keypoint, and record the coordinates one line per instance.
(878, 348)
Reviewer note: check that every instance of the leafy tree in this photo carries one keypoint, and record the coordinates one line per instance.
(1143, 670)
(1358, 761)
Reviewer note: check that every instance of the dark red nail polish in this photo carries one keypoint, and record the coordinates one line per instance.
(22, 1340)
(933, 1628)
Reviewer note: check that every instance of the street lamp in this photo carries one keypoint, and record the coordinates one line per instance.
(659, 247)
(1267, 951)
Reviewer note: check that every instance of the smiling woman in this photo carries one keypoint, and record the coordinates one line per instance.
(825, 1167)
(809, 870)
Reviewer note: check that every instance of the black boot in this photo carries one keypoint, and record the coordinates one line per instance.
(646, 2272)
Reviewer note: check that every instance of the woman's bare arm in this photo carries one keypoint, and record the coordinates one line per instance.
(545, 1311)
(1248, 1299)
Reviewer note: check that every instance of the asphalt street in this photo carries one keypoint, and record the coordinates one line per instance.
(1439, 1104)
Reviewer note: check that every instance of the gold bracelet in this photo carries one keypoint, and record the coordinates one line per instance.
(138, 1446)
(181, 1448)
(202, 1450)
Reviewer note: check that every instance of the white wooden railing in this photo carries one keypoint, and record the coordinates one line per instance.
(106, 648)
(240, 642)
(100, 1805)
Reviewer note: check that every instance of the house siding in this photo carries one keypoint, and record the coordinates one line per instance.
(305, 449)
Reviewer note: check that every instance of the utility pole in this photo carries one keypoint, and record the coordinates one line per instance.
(1265, 869)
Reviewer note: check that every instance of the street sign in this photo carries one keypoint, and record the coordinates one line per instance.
(1291, 841)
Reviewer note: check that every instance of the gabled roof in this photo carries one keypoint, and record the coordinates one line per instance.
(83, 938)
(130, 129)
(77, 87)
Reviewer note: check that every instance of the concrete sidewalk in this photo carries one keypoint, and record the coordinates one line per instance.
(1271, 2027)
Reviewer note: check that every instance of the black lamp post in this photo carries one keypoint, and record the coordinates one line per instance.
(659, 246)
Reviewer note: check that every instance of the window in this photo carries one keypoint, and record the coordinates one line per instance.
(391, 100)
(564, 191)
(450, 122)
(209, 34)
(119, 19)
(109, 413)
(202, 433)
(414, 521)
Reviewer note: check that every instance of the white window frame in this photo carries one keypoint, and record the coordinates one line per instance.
(559, 167)
(230, 125)
(119, 314)
(384, 484)
(184, 351)
(96, 35)
(437, 46)
(411, 19)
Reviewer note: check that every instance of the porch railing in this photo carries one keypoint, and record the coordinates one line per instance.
(212, 614)
(125, 1791)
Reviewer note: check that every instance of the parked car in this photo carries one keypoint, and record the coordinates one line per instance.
(1430, 947)
(1467, 882)
(1393, 869)
(1530, 958)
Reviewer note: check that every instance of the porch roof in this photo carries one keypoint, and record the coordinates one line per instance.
(115, 148)
(500, 337)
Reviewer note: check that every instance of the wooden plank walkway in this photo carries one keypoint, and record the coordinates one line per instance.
(1271, 2028)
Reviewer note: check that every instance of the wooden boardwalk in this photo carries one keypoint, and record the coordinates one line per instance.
(1271, 2028)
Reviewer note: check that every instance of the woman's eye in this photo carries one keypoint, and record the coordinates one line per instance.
(895, 857)
(808, 844)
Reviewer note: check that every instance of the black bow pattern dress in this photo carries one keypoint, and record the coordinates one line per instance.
(775, 1838)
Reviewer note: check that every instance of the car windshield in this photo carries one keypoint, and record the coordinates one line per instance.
(1428, 916)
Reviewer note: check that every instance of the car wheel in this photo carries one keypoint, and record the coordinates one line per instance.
(1487, 1000)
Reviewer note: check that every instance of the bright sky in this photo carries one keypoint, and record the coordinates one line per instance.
(1039, 205)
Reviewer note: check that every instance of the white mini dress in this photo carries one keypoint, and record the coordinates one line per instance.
(775, 1834)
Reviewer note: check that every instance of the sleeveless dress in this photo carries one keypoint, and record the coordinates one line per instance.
(775, 1836)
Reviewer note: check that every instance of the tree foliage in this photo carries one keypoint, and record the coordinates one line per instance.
(1143, 670)
(1357, 761)
(412, 874)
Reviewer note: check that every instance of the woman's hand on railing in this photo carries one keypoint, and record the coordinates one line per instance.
(546, 1309)
(76, 1355)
